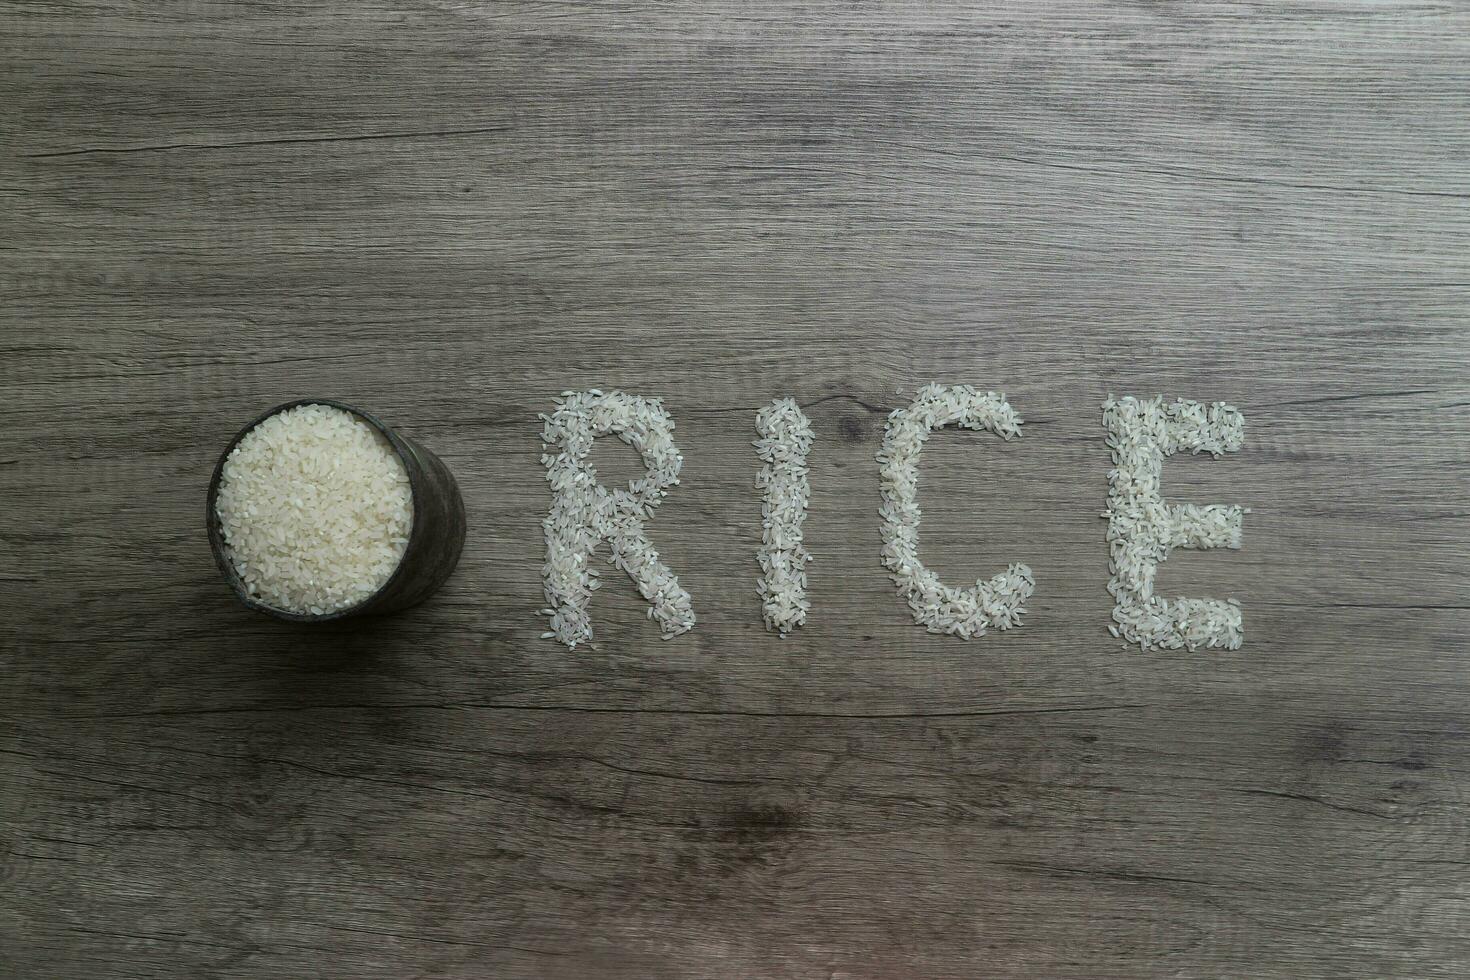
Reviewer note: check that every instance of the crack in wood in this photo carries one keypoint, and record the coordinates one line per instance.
(283, 141)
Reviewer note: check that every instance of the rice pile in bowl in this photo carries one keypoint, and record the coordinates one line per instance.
(315, 508)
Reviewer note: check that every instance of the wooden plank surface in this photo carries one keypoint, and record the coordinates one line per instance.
(448, 212)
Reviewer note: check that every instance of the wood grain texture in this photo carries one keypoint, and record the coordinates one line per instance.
(447, 212)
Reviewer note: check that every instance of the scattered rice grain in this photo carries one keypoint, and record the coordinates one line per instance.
(785, 440)
(584, 513)
(1142, 528)
(997, 603)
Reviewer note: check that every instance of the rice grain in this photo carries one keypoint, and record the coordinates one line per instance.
(584, 513)
(315, 509)
(997, 603)
(1143, 529)
(785, 441)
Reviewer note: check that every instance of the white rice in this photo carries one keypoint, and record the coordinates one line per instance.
(1142, 528)
(315, 509)
(938, 608)
(584, 513)
(785, 440)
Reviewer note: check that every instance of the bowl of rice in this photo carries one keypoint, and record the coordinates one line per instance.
(318, 511)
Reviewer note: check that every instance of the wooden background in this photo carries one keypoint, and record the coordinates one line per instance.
(448, 212)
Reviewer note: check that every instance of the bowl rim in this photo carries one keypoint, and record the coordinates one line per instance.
(217, 544)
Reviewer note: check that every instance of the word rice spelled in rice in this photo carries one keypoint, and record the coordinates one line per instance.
(937, 607)
(315, 509)
(1142, 528)
(584, 513)
(785, 440)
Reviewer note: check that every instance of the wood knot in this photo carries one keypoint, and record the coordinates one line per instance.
(762, 821)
